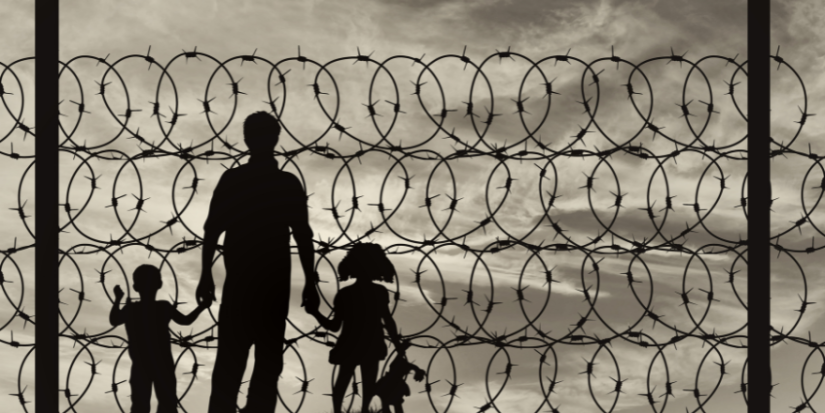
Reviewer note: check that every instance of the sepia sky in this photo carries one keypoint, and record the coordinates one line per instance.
(327, 30)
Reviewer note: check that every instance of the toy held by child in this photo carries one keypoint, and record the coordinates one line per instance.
(359, 310)
(147, 328)
(392, 387)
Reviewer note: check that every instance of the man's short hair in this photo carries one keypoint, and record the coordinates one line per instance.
(146, 275)
(261, 131)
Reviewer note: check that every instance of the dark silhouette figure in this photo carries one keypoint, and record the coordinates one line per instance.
(147, 327)
(360, 310)
(256, 204)
(392, 387)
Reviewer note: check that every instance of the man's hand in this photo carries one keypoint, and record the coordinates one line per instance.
(118, 292)
(205, 293)
(310, 299)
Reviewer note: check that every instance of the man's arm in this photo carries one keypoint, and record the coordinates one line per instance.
(205, 293)
(302, 233)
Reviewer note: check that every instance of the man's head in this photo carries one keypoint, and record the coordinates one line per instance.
(147, 279)
(260, 133)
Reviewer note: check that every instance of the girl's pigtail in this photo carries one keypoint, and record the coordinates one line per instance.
(386, 271)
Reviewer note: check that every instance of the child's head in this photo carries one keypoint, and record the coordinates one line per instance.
(147, 279)
(260, 131)
(366, 260)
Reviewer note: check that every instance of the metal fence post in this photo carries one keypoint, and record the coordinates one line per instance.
(46, 379)
(759, 198)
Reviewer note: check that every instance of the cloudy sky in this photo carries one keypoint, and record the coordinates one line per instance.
(327, 30)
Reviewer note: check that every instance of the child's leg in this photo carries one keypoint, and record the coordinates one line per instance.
(398, 408)
(166, 390)
(344, 374)
(369, 372)
(141, 386)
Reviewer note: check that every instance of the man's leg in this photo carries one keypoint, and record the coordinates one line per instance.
(141, 389)
(230, 362)
(269, 362)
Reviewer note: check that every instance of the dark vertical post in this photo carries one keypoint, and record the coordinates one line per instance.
(46, 374)
(759, 199)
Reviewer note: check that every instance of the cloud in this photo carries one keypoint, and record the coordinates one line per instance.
(637, 30)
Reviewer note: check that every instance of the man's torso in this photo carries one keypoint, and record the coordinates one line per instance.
(256, 206)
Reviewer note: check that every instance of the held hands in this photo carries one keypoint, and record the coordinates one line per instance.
(310, 299)
(203, 305)
(205, 293)
(400, 348)
(118, 293)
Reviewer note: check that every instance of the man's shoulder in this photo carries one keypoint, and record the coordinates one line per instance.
(232, 172)
(248, 169)
(291, 178)
(229, 176)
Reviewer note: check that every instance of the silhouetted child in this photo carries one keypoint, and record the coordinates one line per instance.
(147, 328)
(392, 387)
(361, 308)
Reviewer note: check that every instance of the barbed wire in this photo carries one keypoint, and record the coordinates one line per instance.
(529, 335)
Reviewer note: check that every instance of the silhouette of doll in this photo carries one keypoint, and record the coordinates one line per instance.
(392, 387)
(147, 328)
(360, 309)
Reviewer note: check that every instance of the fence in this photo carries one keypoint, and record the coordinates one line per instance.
(625, 243)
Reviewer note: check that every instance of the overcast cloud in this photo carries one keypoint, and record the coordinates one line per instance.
(327, 30)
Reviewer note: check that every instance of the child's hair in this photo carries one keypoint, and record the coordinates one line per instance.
(366, 259)
(146, 275)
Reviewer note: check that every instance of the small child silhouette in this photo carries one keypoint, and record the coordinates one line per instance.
(361, 308)
(147, 328)
(392, 387)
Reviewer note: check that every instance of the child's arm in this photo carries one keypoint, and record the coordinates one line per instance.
(419, 373)
(190, 318)
(389, 324)
(116, 314)
(331, 324)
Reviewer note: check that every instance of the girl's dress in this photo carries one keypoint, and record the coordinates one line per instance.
(362, 334)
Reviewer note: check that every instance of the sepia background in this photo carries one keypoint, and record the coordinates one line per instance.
(101, 160)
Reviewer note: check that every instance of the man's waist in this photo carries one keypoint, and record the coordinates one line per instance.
(274, 242)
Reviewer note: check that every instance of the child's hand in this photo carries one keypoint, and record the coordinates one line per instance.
(419, 375)
(118, 292)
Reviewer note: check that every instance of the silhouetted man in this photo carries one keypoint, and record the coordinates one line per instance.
(256, 204)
